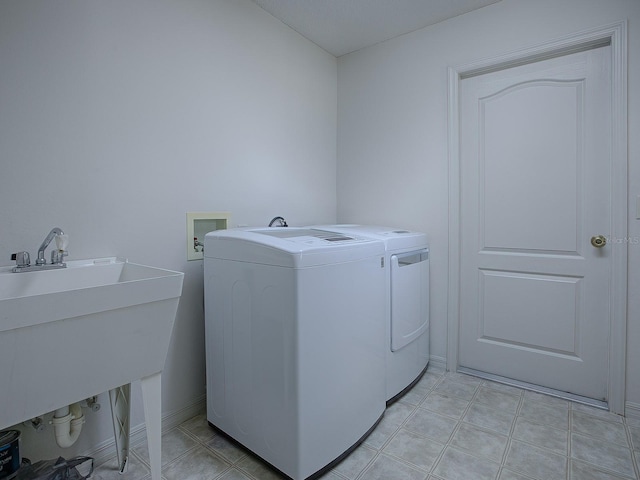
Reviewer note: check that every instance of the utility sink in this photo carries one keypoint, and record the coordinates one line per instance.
(69, 334)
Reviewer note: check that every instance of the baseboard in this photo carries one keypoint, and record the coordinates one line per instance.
(173, 419)
(632, 410)
(439, 363)
(138, 434)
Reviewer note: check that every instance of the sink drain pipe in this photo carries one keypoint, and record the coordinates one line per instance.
(67, 424)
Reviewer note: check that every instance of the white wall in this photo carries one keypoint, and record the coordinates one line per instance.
(392, 128)
(117, 117)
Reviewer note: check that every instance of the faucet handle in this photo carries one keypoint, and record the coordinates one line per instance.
(22, 259)
(57, 256)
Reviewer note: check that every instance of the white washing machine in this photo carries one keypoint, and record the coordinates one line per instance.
(406, 303)
(294, 321)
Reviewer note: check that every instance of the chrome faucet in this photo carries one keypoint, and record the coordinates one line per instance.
(58, 258)
(23, 263)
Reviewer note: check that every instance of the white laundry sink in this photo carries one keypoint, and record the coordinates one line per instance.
(68, 334)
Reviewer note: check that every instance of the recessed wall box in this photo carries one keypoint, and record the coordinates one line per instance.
(198, 225)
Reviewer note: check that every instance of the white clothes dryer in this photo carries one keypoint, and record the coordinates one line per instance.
(294, 325)
(406, 303)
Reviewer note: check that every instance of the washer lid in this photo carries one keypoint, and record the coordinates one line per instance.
(290, 246)
(306, 236)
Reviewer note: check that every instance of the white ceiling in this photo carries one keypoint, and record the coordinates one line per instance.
(344, 26)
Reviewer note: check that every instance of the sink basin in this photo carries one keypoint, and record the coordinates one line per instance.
(69, 334)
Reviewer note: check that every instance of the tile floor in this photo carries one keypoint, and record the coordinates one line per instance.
(448, 427)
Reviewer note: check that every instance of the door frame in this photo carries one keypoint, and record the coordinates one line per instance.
(614, 36)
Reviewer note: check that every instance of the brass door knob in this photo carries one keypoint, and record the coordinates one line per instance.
(599, 241)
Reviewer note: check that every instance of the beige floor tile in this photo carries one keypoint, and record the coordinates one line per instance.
(225, 448)
(487, 417)
(199, 427)
(174, 444)
(397, 413)
(601, 453)
(429, 380)
(382, 433)
(445, 404)
(197, 464)
(507, 474)
(536, 462)
(458, 465)
(635, 437)
(480, 442)
(432, 425)
(608, 431)
(545, 413)
(415, 449)
(597, 412)
(463, 378)
(548, 400)
(585, 471)
(356, 462)
(416, 395)
(256, 468)
(500, 400)
(234, 474)
(456, 389)
(387, 468)
(544, 436)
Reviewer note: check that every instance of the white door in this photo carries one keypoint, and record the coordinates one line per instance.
(535, 175)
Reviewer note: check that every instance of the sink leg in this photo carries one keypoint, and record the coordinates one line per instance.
(151, 397)
(120, 399)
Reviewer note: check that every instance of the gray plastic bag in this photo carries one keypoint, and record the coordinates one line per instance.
(58, 469)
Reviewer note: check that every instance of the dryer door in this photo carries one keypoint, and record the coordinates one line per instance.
(409, 297)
